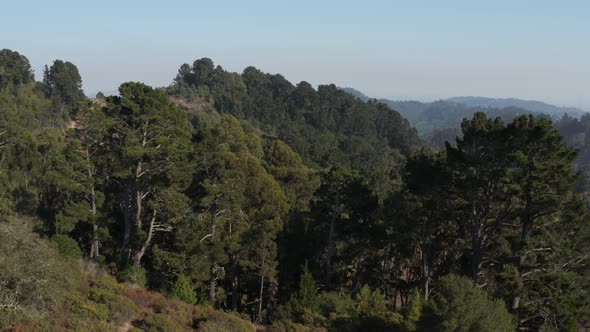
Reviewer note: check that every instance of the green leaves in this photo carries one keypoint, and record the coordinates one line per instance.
(15, 70)
(460, 306)
(64, 84)
(183, 290)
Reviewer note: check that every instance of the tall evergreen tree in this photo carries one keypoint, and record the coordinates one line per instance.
(150, 139)
(64, 84)
(484, 199)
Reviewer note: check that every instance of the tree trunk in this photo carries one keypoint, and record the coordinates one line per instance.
(526, 222)
(260, 297)
(134, 208)
(475, 246)
(426, 259)
(94, 253)
(234, 284)
(139, 254)
(94, 242)
(213, 269)
(127, 219)
(330, 254)
(138, 196)
(425, 275)
(526, 225)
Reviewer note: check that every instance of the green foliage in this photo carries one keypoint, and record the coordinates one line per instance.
(107, 291)
(15, 69)
(64, 84)
(460, 306)
(371, 303)
(413, 311)
(251, 173)
(161, 323)
(35, 278)
(67, 246)
(325, 127)
(149, 141)
(306, 299)
(346, 229)
(221, 321)
(288, 326)
(80, 306)
(440, 121)
(334, 305)
(183, 290)
(133, 275)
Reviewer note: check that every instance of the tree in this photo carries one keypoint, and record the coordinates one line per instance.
(183, 290)
(427, 224)
(64, 83)
(150, 140)
(371, 302)
(344, 232)
(484, 199)
(460, 306)
(306, 297)
(93, 169)
(15, 69)
(543, 171)
(242, 211)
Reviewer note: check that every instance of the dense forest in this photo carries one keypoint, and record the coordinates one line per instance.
(239, 201)
(440, 121)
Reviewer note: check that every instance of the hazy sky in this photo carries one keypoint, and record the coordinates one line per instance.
(396, 49)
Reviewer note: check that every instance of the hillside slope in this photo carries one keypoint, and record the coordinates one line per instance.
(530, 105)
(57, 291)
(325, 126)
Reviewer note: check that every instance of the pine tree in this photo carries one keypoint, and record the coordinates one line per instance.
(183, 290)
(150, 142)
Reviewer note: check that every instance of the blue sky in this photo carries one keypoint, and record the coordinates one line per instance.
(421, 50)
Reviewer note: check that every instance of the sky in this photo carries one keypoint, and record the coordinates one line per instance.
(420, 50)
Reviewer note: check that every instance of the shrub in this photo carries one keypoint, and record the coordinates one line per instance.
(305, 301)
(35, 278)
(311, 318)
(371, 303)
(154, 322)
(134, 275)
(222, 321)
(67, 246)
(178, 310)
(289, 326)
(107, 291)
(335, 304)
(413, 311)
(141, 296)
(460, 306)
(183, 290)
(77, 305)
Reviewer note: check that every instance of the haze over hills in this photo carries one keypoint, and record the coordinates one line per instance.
(531, 105)
(226, 189)
(194, 166)
(431, 119)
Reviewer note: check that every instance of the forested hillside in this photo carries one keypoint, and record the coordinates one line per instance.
(440, 121)
(324, 126)
(232, 199)
(530, 105)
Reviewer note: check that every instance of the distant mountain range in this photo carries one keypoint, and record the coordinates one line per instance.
(440, 120)
(531, 105)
